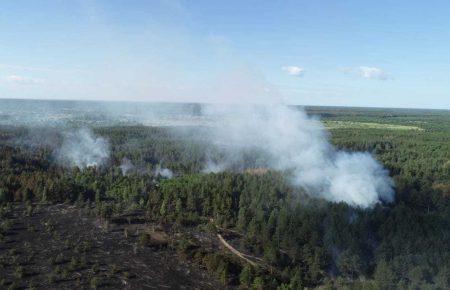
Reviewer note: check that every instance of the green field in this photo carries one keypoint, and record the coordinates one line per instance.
(367, 125)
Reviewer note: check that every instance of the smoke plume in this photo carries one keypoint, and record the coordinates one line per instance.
(126, 166)
(163, 172)
(297, 144)
(82, 149)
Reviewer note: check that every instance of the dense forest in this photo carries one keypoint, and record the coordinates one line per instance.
(297, 240)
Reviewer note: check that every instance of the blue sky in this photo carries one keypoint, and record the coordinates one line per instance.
(348, 53)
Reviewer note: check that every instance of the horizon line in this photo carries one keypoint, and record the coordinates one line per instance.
(218, 103)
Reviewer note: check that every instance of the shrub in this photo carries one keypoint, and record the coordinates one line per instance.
(19, 272)
(94, 283)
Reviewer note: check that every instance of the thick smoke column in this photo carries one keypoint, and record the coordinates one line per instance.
(82, 149)
(299, 145)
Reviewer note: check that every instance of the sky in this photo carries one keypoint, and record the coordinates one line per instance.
(334, 53)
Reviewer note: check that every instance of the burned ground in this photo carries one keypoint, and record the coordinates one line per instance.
(65, 247)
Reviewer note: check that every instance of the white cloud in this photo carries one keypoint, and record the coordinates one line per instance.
(367, 72)
(16, 79)
(373, 73)
(293, 70)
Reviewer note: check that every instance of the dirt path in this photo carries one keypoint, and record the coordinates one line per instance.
(234, 251)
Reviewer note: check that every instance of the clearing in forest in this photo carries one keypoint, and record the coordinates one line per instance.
(367, 125)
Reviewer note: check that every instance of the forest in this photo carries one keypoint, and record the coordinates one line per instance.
(289, 239)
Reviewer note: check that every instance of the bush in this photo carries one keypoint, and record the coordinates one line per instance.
(95, 283)
(4, 196)
(19, 272)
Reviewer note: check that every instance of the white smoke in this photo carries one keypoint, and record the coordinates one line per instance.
(82, 149)
(126, 166)
(213, 167)
(163, 172)
(299, 145)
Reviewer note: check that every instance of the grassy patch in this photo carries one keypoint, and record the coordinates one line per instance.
(367, 125)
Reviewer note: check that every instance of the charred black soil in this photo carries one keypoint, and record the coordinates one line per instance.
(66, 247)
